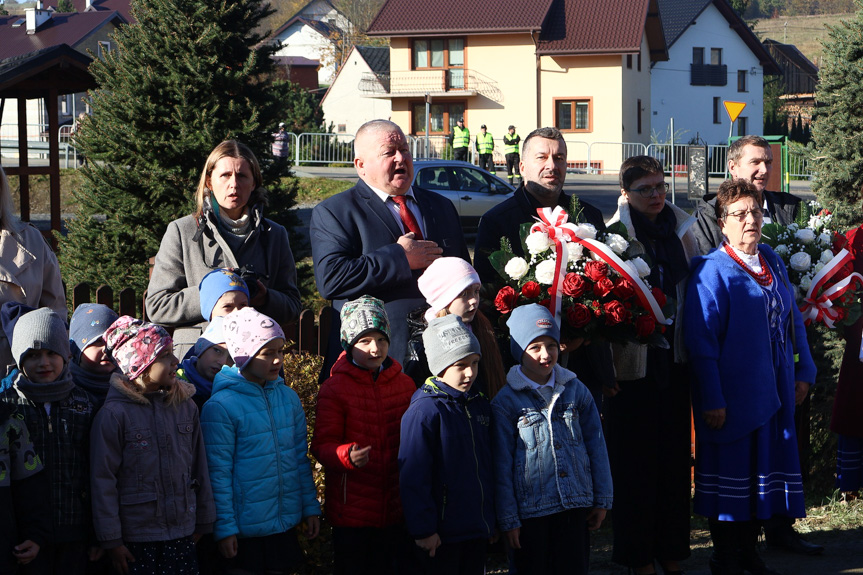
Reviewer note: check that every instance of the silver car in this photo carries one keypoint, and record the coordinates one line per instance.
(472, 190)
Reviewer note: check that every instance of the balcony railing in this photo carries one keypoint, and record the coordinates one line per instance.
(433, 82)
(708, 75)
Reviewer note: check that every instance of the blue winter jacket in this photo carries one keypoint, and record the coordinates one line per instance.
(547, 457)
(257, 453)
(728, 341)
(445, 464)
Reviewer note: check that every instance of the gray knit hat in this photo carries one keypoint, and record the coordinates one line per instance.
(40, 329)
(447, 340)
(359, 317)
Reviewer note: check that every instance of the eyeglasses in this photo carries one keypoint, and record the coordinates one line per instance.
(740, 215)
(647, 192)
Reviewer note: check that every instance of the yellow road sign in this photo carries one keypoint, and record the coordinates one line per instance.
(734, 109)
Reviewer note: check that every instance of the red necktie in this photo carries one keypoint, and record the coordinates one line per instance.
(408, 219)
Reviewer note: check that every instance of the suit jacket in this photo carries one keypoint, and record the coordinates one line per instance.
(354, 235)
(783, 210)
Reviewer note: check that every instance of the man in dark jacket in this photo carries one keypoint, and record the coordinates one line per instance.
(543, 172)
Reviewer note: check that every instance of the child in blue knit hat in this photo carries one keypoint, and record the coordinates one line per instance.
(207, 358)
(222, 291)
(553, 480)
(91, 364)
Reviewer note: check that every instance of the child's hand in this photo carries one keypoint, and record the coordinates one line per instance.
(228, 547)
(494, 537)
(120, 559)
(512, 537)
(313, 526)
(595, 517)
(25, 552)
(95, 553)
(429, 544)
(360, 456)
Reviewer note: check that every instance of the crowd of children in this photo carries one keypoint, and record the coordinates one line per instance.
(153, 465)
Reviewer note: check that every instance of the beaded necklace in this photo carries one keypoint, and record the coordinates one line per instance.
(765, 278)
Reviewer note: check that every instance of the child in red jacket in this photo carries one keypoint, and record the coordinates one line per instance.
(359, 411)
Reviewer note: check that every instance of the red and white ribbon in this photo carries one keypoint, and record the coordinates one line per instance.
(820, 307)
(554, 223)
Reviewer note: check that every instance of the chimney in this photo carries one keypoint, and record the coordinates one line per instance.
(35, 17)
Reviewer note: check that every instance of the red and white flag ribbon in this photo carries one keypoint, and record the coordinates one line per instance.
(820, 307)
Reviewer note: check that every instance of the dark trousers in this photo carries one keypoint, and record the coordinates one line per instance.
(175, 557)
(459, 154)
(486, 162)
(512, 161)
(557, 544)
(462, 558)
(373, 551)
(278, 553)
(54, 558)
(648, 436)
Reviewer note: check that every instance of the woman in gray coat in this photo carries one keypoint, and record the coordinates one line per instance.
(228, 230)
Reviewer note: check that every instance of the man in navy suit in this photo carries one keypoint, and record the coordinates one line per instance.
(363, 243)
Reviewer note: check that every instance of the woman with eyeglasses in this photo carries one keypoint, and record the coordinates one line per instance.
(228, 230)
(647, 412)
(748, 351)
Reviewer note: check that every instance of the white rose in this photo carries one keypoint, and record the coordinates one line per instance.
(805, 283)
(818, 267)
(815, 221)
(805, 235)
(575, 251)
(781, 250)
(516, 268)
(545, 272)
(641, 267)
(537, 242)
(826, 256)
(585, 231)
(616, 242)
(800, 262)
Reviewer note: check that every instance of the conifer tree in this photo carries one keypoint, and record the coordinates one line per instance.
(186, 76)
(838, 129)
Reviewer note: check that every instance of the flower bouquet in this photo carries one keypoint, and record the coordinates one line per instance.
(595, 284)
(819, 268)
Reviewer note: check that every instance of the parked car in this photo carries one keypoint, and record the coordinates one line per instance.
(472, 190)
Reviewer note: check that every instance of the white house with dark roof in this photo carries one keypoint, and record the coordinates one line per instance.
(713, 57)
(341, 106)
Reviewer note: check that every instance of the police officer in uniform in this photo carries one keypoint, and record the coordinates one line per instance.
(485, 148)
(510, 150)
(460, 139)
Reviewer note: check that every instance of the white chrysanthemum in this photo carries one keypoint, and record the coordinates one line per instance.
(824, 239)
(575, 251)
(781, 250)
(616, 242)
(641, 267)
(537, 242)
(585, 231)
(805, 235)
(826, 256)
(545, 272)
(805, 283)
(516, 268)
(800, 262)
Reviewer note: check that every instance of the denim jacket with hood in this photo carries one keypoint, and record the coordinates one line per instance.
(548, 457)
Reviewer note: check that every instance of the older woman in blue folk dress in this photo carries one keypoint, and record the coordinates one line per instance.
(747, 346)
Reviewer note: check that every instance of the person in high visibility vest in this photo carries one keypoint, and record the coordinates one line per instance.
(485, 147)
(460, 139)
(510, 151)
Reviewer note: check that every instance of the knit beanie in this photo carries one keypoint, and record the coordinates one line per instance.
(216, 284)
(443, 281)
(359, 317)
(135, 344)
(40, 329)
(527, 323)
(213, 335)
(88, 325)
(246, 332)
(447, 340)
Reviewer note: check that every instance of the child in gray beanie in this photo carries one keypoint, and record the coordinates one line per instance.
(446, 479)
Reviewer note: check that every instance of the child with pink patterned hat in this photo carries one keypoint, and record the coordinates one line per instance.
(151, 488)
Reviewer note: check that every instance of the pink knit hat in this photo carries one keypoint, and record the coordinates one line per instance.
(135, 344)
(443, 281)
(246, 332)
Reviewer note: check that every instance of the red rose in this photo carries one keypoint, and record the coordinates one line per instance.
(530, 290)
(505, 299)
(578, 315)
(595, 271)
(603, 287)
(546, 303)
(660, 297)
(574, 285)
(623, 288)
(644, 325)
(843, 313)
(615, 313)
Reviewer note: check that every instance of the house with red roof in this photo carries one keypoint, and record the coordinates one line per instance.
(580, 65)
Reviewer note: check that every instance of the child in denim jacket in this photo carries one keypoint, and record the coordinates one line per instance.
(553, 481)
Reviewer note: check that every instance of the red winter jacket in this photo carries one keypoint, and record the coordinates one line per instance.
(355, 410)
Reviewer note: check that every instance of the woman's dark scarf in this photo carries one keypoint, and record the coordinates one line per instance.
(669, 264)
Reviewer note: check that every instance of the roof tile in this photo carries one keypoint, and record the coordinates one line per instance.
(67, 29)
(401, 17)
(587, 26)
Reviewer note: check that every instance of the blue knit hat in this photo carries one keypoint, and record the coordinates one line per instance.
(216, 284)
(527, 323)
(88, 326)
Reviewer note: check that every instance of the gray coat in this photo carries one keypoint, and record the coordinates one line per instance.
(182, 262)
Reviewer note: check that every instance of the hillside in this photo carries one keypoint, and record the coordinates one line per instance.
(805, 32)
